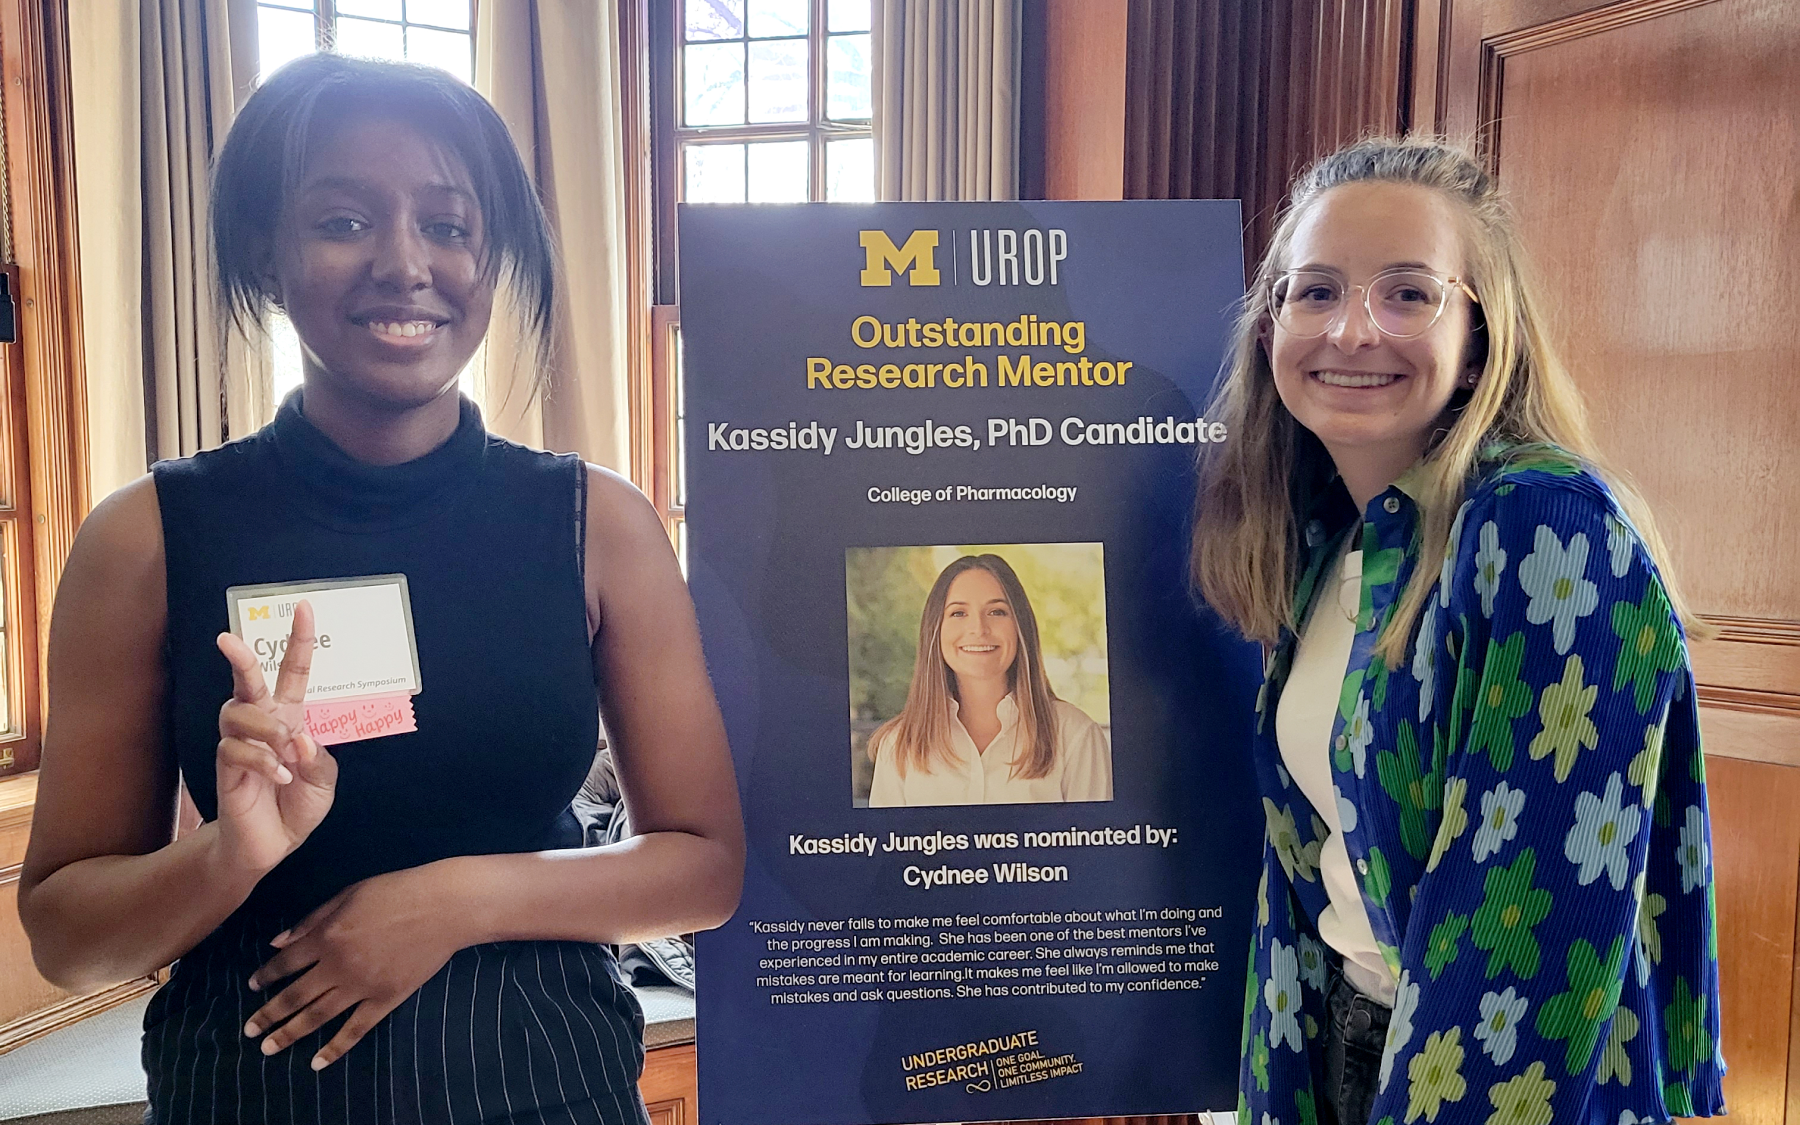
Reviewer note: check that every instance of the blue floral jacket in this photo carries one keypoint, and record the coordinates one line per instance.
(1524, 801)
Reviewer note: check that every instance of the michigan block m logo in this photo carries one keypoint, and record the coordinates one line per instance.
(918, 255)
(257, 612)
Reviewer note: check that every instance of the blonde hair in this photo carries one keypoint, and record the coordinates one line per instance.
(1247, 550)
(921, 731)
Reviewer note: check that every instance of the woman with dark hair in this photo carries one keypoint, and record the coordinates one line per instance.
(1486, 881)
(403, 928)
(981, 725)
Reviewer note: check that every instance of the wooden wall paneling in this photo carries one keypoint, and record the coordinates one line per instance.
(1329, 77)
(31, 1006)
(1650, 148)
(17, 797)
(670, 1086)
(22, 991)
(1202, 165)
(1756, 857)
(1163, 113)
(1084, 98)
(1295, 66)
(1240, 149)
(1458, 86)
(1430, 24)
(1759, 660)
(1683, 121)
(1754, 734)
(1227, 100)
(1749, 679)
(1139, 115)
(1793, 1070)
(1276, 136)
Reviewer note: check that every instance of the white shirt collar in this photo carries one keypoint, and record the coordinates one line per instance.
(1007, 709)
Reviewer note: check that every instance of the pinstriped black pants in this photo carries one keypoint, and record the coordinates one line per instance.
(515, 1032)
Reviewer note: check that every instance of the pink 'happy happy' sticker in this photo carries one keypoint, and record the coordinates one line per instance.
(351, 720)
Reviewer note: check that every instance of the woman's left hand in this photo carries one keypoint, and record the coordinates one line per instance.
(369, 948)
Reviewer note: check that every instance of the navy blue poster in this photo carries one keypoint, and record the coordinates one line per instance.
(994, 760)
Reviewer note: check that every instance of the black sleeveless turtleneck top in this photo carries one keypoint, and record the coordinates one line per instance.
(490, 536)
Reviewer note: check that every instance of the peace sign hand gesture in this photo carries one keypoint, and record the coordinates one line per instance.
(275, 784)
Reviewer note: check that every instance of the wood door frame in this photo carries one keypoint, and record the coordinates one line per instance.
(40, 167)
(1465, 104)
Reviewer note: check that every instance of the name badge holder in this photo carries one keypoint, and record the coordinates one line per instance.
(365, 667)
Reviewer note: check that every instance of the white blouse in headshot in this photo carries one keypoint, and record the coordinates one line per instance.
(1080, 771)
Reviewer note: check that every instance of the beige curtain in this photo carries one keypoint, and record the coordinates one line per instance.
(103, 84)
(946, 99)
(204, 386)
(154, 86)
(552, 70)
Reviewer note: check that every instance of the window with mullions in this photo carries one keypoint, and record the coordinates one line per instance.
(752, 101)
(774, 101)
(433, 32)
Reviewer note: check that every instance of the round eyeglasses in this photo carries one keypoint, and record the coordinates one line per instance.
(1401, 303)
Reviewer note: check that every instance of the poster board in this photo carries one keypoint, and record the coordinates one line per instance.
(946, 920)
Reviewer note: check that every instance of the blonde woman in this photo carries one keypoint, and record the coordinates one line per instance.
(1487, 890)
(981, 725)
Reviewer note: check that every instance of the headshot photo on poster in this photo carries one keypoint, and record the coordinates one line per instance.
(978, 675)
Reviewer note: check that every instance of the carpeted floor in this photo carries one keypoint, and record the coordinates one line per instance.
(85, 1074)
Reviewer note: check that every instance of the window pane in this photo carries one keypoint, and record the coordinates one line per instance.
(778, 17)
(715, 19)
(284, 346)
(6, 686)
(778, 172)
(848, 15)
(714, 76)
(715, 174)
(847, 96)
(6, 722)
(369, 39)
(282, 37)
(850, 171)
(377, 9)
(778, 80)
(450, 50)
(8, 551)
(442, 13)
(680, 396)
(473, 378)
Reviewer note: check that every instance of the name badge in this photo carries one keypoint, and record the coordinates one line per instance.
(365, 667)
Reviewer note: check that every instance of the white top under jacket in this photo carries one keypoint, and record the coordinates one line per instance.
(1303, 722)
(1081, 771)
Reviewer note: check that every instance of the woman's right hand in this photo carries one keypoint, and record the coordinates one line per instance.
(275, 783)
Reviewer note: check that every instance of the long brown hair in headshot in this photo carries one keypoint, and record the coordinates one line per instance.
(921, 730)
(1246, 555)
